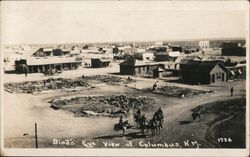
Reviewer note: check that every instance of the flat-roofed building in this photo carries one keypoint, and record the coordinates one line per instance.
(36, 65)
(100, 62)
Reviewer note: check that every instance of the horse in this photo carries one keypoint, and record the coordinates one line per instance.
(196, 116)
(125, 125)
(154, 126)
(137, 118)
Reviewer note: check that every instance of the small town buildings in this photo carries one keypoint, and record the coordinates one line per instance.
(159, 43)
(203, 72)
(158, 72)
(204, 44)
(233, 49)
(100, 62)
(37, 65)
(176, 48)
(237, 71)
(44, 52)
(166, 56)
(133, 66)
(144, 56)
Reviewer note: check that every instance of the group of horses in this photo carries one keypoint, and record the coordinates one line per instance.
(154, 124)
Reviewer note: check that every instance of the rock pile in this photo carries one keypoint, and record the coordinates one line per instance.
(178, 91)
(36, 86)
(109, 79)
(103, 104)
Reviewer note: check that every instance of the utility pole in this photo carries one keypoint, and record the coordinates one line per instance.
(36, 135)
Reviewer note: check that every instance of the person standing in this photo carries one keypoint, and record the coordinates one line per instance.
(232, 91)
(26, 71)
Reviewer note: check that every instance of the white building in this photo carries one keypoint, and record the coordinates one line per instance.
(204, 44)
(159, 43)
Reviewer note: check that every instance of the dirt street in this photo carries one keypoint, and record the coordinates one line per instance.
(21, 111)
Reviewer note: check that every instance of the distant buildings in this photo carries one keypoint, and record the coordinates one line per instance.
(144, 56)
(44, 52)
(233, 49)
(204, 44)
(203, 72)
(166, 56)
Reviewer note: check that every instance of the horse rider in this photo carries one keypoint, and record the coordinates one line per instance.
(160, 116)
(196, 115)
(143, 123)
(138, 112)
(121, 121)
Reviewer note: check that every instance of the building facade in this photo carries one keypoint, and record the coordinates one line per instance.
(100, 62)
(136, 67)
(204, 72)
(42, 65)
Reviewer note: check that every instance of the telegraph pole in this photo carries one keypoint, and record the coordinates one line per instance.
(36, 135)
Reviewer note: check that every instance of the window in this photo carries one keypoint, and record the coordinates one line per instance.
(218, 75)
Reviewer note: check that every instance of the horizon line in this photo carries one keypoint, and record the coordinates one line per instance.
(131, 41)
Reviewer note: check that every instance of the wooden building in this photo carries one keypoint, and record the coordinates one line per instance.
(236, 72)
(233, 49)
(135, 67)
(203, 72)
(100, 62)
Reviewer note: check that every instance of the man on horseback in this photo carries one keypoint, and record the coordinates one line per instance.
(196, 116)
(121, 121)
(143, 124)
(122, 125)
(138, 112)
(138, 117)
(160, 117)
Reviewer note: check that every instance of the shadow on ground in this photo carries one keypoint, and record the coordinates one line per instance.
(184, 122)
(129, 136)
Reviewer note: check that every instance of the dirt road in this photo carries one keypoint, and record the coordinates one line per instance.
(21, 111)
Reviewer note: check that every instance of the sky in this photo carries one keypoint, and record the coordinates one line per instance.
(44, 22)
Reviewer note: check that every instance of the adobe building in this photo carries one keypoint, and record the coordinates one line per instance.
(203, 72)
(41, 65)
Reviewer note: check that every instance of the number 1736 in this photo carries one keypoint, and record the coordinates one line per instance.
(224, 140)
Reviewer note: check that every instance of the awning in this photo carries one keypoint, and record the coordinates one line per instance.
(232, 72)
(239, 71)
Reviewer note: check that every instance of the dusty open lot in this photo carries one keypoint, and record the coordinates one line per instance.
(22, 110)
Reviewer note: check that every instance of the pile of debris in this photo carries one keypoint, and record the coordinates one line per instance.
(49, 84)
(113, 105)
(109, 79)
(178, 91)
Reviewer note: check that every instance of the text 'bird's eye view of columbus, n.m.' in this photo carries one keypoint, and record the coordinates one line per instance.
(87, 75)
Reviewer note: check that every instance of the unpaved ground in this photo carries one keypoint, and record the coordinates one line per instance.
(21, 111)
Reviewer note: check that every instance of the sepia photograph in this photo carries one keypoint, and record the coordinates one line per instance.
(142, 78)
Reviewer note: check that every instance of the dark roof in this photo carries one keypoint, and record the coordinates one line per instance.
(202, 66)
(135, 62)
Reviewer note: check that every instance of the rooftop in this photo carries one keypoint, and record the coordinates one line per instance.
(52, 60)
